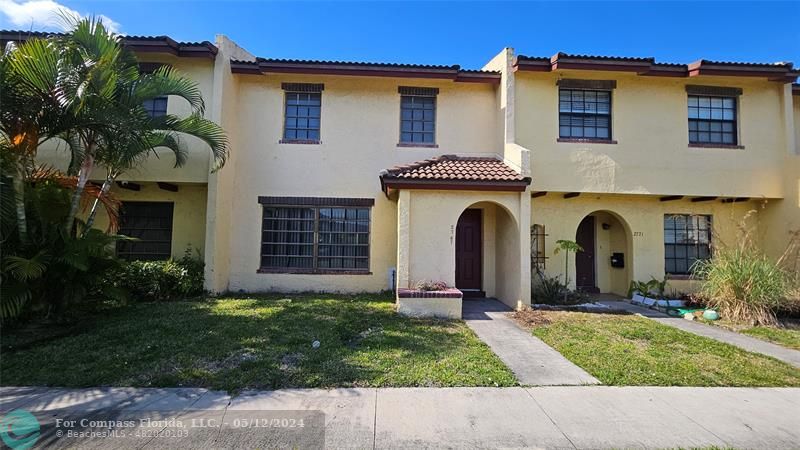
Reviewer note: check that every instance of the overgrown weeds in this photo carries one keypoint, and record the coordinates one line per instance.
(743, 283)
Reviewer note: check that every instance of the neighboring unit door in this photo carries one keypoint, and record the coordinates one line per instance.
(468, 250)
(584, 261)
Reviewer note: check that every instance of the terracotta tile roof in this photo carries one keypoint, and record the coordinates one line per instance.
(780, 71)
(455, 172)
(360, 68)
(137, 43)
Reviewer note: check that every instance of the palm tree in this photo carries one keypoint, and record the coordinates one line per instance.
(566, 246)
(31, 113)
(92, 92)
(139, 135)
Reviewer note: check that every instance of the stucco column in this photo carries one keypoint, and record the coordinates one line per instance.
(525, 248)
(403, 238)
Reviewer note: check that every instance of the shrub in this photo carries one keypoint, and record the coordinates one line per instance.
(552, 291)
(429, 285)
(51, 274)
(743, 284)
(174, 279)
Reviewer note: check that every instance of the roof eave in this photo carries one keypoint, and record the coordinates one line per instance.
(456, 185)
(648, 67)
(155, 44)
(454, 74)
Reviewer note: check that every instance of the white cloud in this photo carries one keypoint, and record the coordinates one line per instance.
(44, 14)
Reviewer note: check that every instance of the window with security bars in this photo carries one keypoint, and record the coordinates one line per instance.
(538, 256)
(151, 224)
(156, 107)
(302, 116)
(584, 114)
(315, 238)
(712, 120)
(417, 119)
(687, 239)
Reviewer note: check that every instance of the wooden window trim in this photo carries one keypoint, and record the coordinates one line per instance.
(719, 146)
(416, 144)
(418, 91)
(593, 85)
(713, 91)
(303, 87)
(341, 202)
(587, 141)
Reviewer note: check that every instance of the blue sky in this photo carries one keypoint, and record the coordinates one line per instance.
(466, 33)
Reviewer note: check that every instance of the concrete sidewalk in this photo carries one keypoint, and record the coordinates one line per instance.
(742, 341)
(540, 417)
(533, 362)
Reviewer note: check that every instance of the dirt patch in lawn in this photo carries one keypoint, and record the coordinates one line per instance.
(530, 317)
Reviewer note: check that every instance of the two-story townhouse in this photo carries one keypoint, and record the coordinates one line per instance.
(647, 165)
(357, 177)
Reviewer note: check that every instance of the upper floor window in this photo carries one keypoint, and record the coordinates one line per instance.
(687, 239)
(584, 114)
(712, 120)
(713, 113)
(418, 115)
(156, 107)
(302, 112)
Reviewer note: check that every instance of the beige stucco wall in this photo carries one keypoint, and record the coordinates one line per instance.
(649, 121)
(642, 219)
(188, 221)
(780, 218)
(796, 121)
(359, 135)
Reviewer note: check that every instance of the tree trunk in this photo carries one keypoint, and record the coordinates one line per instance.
(83, 176)
(566, 275)
(19, 199)
(103, 190)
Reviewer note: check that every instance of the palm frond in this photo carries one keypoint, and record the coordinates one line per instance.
(172, 142)
(168, 81)
(37, 64)
(205, 130)
(13, 297)
(27, 269)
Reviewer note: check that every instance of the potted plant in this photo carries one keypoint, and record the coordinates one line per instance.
(653, 293)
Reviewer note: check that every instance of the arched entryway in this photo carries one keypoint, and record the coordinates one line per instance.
(604, 265)
(487, 252)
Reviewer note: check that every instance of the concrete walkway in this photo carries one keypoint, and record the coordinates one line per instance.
(538, 417)
(742, 341)
(533, 362)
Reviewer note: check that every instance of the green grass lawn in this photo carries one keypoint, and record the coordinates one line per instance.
(264, 343)
(630, 350)
(788, 336)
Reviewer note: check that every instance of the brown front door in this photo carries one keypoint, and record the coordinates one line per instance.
(584, 261)
(468, 250)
